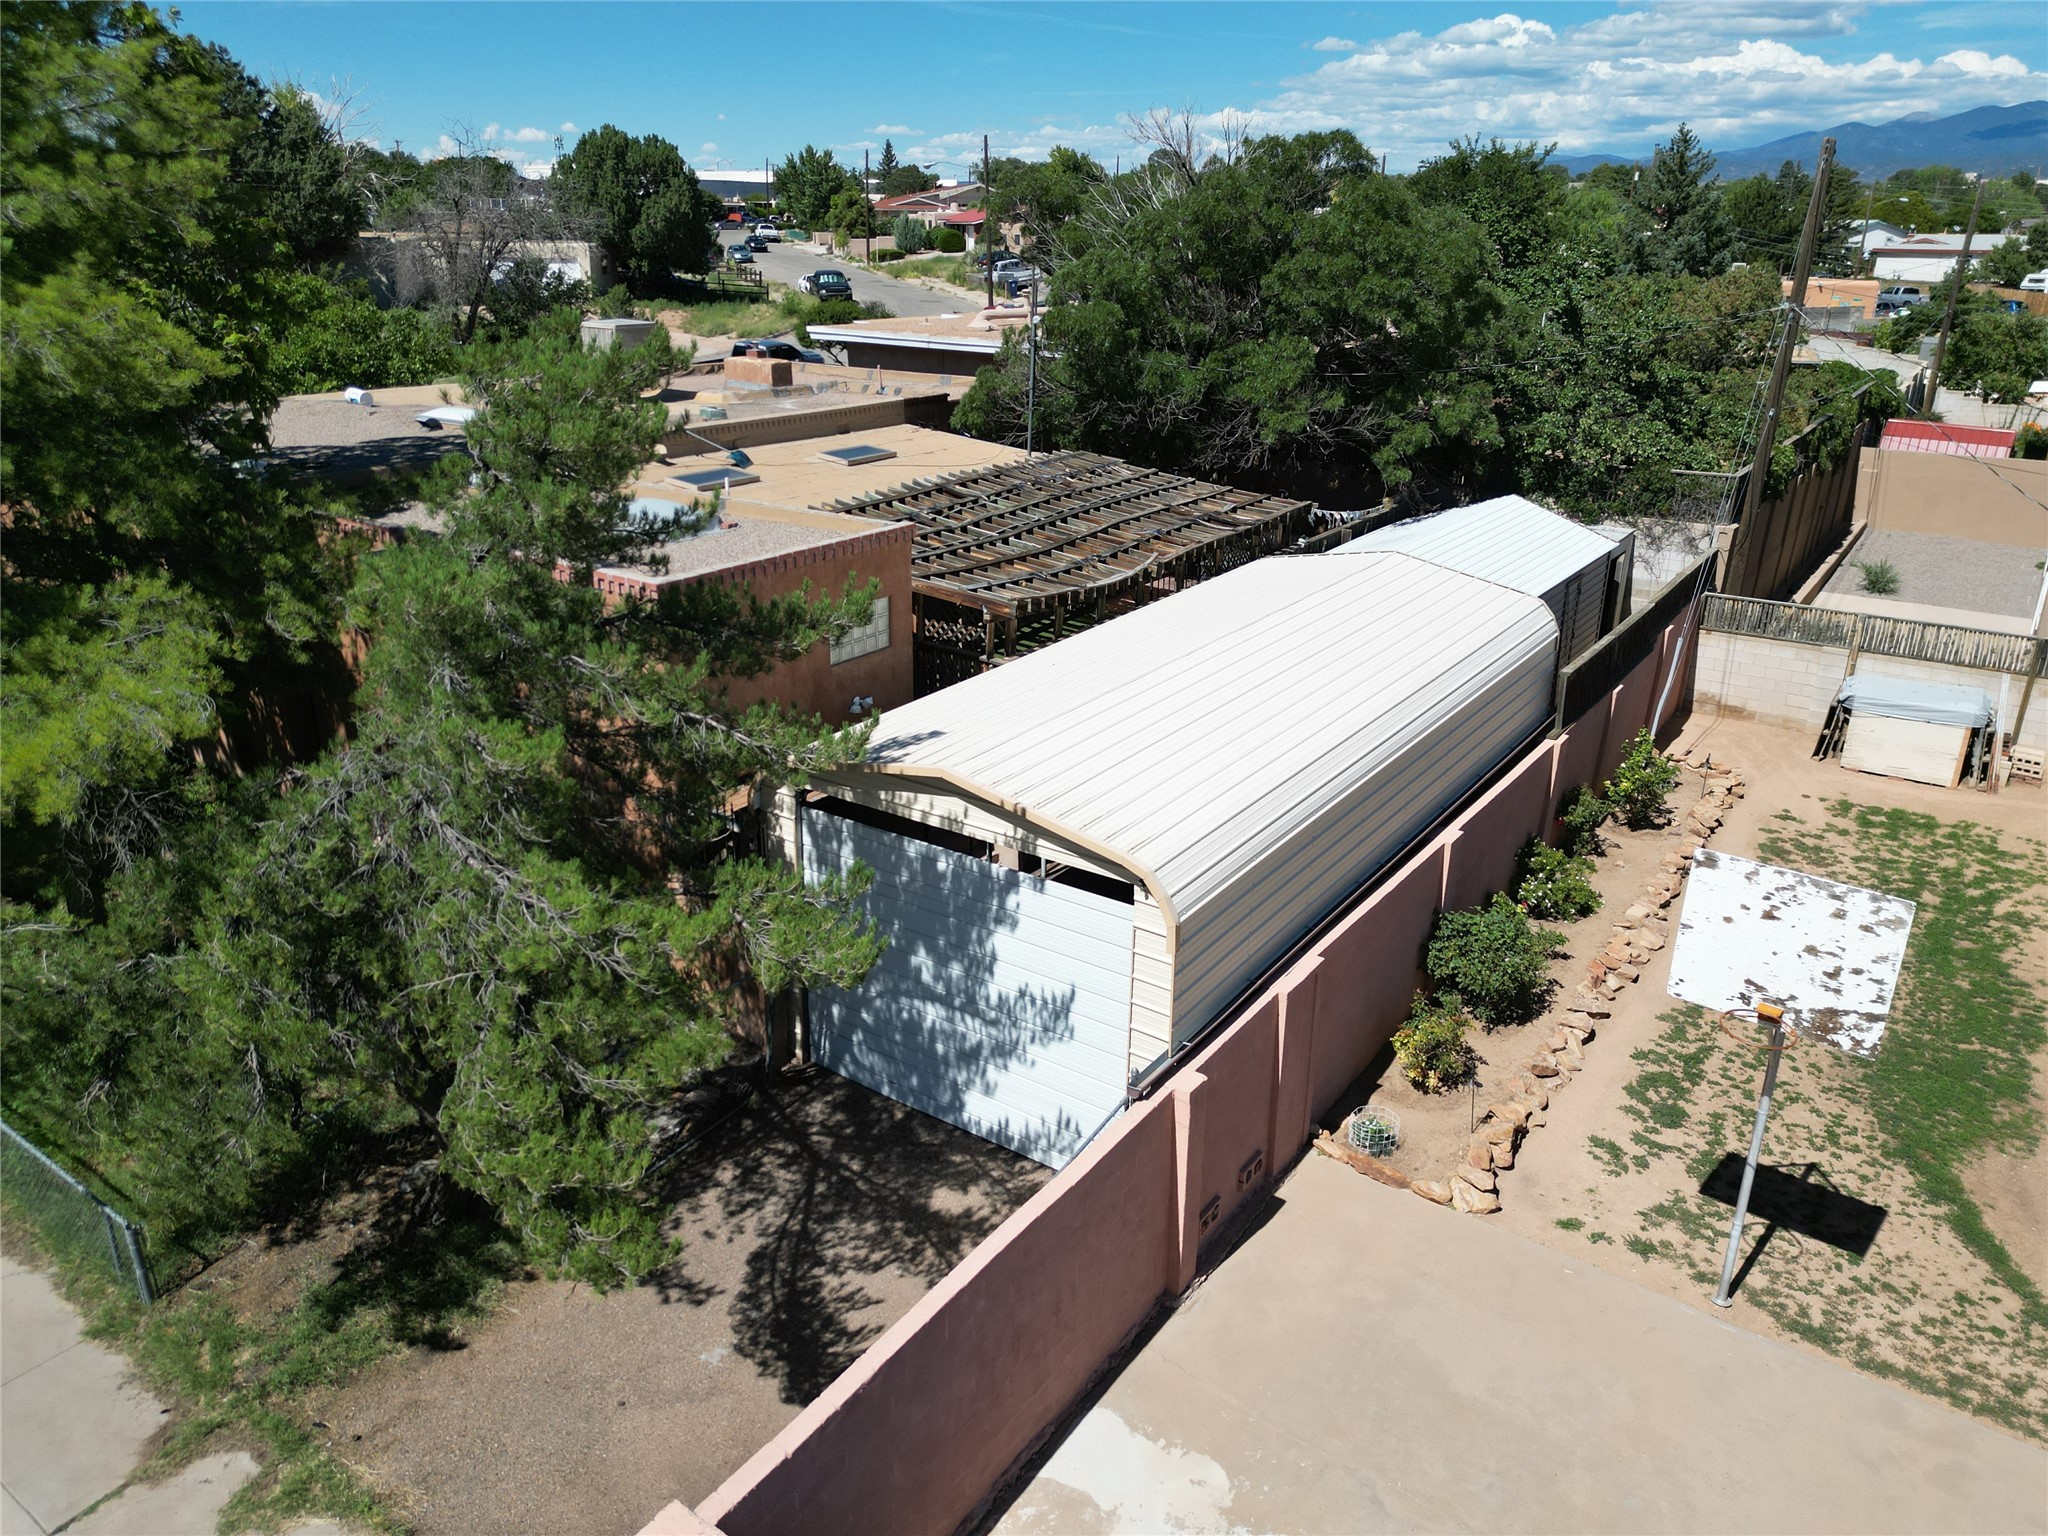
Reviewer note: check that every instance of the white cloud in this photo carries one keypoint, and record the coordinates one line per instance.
(893, 128)
(706, 149)
(1741, 72)
(721, 117)
(567, 128)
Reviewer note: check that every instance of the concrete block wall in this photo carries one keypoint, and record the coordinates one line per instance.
(1775, 680)
(1786, 683)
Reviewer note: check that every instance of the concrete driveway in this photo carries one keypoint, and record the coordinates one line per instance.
(1367, 1361)
(785, 263)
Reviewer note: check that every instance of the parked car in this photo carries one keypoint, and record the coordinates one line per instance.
(1900, 296)
(783, 351)
(739, 256)
(757, 242)
(2035, 282)
(826, 283)
(767, 231)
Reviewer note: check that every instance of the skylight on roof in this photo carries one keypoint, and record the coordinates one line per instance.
(857, 453)
(715, 479)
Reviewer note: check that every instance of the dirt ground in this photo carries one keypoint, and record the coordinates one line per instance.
(1616, 1175)
(812, 1220)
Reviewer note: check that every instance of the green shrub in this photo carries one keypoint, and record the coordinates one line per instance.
(2030, 442)
(911, 236)
(1880, 578)
(1582, 818)
(882, 256)
(336, 337)
(948, 241)
(1642, 783)
(1493, 958)
(1432, 1047)
(1551, 884)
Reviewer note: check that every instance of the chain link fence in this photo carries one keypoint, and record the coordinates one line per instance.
(71, 1219)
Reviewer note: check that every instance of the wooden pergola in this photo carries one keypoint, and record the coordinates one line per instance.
(1012, 557)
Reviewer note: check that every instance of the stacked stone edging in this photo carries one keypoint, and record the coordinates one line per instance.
(1641, 930)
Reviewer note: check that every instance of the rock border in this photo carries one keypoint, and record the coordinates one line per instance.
(1642, 929)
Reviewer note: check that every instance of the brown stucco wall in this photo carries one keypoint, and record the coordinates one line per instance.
(1996, 501)
(812, 684)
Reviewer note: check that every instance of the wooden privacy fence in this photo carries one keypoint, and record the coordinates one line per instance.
(1953, 645)
(1779, 545)
(1621, 651)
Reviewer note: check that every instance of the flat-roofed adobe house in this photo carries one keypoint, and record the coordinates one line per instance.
(1084, 856)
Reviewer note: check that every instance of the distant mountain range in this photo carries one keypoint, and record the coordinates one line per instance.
(1993, 141)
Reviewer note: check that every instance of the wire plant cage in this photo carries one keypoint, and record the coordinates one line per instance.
(1375, 1132)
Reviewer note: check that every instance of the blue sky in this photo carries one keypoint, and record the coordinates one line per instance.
(732, 83)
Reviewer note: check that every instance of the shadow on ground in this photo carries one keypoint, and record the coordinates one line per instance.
(848, 1201)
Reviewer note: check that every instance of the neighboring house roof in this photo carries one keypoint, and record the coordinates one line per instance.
(1931, 245)
(980, 332)
(964, 216)
(1067, 530)
(1509, 540)
(1193, 739)
(1940, 437)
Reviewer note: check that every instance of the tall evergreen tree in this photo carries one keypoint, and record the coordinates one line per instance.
(646, 206)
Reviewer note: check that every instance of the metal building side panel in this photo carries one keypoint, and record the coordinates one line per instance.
(1228, 942)
(1002, 1004)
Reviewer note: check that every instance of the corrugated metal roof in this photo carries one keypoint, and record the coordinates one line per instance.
(1509, 540)
(1941, 437)
(1190, 738)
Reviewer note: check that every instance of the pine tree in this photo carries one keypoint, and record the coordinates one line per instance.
(886, 166)
(501, 907)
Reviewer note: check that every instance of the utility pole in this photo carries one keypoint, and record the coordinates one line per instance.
(1031, 371)
(867, 199)
(1955, 291)
(987, 250)
(1767, 429)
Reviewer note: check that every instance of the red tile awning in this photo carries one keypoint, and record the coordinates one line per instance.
(963, 216)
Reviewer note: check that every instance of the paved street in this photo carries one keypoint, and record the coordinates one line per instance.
(1367, 1361)
(785, 263)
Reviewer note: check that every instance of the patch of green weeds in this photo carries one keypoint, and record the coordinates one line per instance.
(1954, 1077)
(1570, 1223)
(1598, 1237)
(1609, 1155)
(1953, 1080)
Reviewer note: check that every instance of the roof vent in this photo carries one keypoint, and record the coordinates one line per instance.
(715, 479)
(857, 453)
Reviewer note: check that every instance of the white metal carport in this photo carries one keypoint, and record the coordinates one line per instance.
(1582, 574)
(1214, 773)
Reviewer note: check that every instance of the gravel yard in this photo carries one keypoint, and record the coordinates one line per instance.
(1947, 572)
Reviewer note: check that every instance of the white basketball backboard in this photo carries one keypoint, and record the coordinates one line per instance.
(1828, 954)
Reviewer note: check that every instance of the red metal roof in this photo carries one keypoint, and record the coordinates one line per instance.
(963, 216)
(1939, 437)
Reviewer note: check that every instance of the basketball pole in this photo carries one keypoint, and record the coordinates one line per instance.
(1776, 1016)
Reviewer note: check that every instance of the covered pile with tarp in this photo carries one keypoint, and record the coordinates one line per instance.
(1932, 733)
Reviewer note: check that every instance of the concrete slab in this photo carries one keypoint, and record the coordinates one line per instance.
(186, 1504)
(1367, 1361)
(71, 1427)
(36, 1324)
(14, 1520)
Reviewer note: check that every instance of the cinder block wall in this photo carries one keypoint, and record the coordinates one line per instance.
(1786, 683)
